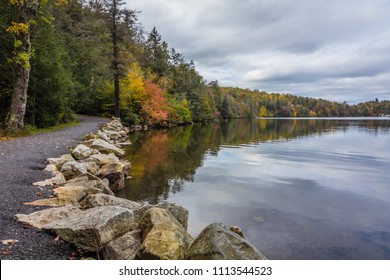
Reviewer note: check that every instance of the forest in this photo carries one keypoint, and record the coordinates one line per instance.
(59, 58)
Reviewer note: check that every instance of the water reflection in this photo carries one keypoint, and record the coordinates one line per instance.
(300, 188)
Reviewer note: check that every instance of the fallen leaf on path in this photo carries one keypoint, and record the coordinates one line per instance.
(9, 241)
(7, 253)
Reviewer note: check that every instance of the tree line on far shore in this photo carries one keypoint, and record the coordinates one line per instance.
(61, 57)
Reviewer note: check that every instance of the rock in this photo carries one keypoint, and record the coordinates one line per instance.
(91, 167)
(113, 135)
(180, 213)
(90, 136)
(67, 157)
(102, 159)
(90, 180)
(77, 192)
(40, 218)
(115, 173)
(73, 169)
(107, 148)
(57, 162)
(96, 200)
(127, 166)
(125, 247)
(54, 202)
(93, 229)
(58, 179)
(82, 152)
(218, 242)
(163, 237)
(50, 168)
(103, 135)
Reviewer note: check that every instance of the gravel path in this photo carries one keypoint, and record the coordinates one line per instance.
(21, 163)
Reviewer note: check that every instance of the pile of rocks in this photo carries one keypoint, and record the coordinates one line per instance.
(86, 213)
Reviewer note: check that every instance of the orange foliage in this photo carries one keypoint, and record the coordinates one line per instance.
(155, 107)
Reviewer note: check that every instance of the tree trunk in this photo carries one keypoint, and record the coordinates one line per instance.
(15, 118)
(115, 62)
(27, 11)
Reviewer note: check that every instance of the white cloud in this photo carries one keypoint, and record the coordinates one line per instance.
(336, 49)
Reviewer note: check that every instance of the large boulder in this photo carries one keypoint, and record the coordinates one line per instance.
(93, 229)
(125, 247)
(115, 173)
(72, 169)
(90, 181)
(163, 237)
(54, 202)
(57, 162)
(77, 192)
(179, 212)
(91, 167)
(102, 159)
(57, 179)
(107, 148)
(96, 200)
(82, 152)
(218, 242)
(103, 135)
(112, 134)
(41, 218)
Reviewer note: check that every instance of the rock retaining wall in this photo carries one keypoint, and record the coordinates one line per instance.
(85, 212)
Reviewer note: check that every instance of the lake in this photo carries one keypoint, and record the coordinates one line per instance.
(298, 188)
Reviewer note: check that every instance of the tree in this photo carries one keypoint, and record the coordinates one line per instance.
(21, 31)
(157, 54)
(115, 15)
(155, 108)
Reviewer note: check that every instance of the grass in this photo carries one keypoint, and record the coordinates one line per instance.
(31, 130)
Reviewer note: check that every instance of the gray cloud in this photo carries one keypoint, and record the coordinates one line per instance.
(336, 49)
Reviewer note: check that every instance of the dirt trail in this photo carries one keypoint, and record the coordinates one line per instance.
(21, 163)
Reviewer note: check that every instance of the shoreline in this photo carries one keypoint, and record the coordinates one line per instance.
(84, 184)
(22, 161)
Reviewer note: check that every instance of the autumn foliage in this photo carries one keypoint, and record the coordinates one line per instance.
(155, 108)
(73, 70)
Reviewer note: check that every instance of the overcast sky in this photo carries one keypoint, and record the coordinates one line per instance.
(334, 49)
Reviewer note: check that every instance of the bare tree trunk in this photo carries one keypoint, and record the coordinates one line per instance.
(22, 33)
(15, 118)
(116, 70)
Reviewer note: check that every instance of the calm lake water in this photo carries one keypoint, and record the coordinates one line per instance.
(298, 188)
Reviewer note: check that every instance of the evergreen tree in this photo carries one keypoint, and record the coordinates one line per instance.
(156, 54)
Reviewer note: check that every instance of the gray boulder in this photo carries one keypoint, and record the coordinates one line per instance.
(76, 192)
(163, 237)
(179, 212)
(125, 247)
(57, 162)
(73, 169)
(115, 173)
(102, 159)
(93, 229)
(90, 181)
(91, 167)
(41, 218)
(107, 148)
(82, 152)
(97, 200)
(218, 242)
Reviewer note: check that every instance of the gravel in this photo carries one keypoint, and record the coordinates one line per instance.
(21, 164)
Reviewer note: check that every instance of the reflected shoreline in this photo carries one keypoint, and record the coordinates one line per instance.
(164, 159)
(305, 188)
